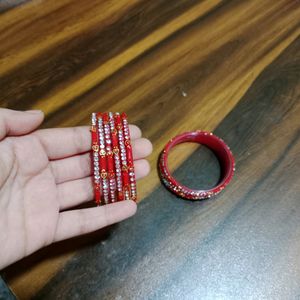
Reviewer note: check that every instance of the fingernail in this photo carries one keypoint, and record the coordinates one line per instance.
(34, 111)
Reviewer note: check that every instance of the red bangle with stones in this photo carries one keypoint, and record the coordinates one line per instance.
(130, 163)
(217, 145)
(95, 159)
(124, 163)
(116, 155)
(102, 160)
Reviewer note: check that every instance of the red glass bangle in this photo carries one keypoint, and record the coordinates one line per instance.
(217, 145)
(95, 159)
(117, 159)
(130, 163)
(102, 160)
(110, 159)
(124, 163)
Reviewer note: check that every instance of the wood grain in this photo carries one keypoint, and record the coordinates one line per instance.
(243, 245)
(172, 66)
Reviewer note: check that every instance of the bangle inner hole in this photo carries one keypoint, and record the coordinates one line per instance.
(200, 171)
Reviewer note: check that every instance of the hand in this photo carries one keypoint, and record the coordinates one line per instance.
(45, 172)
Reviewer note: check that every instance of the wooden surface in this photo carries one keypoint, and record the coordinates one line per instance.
(228, 66)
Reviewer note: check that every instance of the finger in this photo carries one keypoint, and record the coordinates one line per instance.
(81, 221)
(79, 166)
(75, 192)
(63, 142)
(78, 191)
(141, 168)
(135, 132)
(141, 148)
(71, 168)
(14, 122)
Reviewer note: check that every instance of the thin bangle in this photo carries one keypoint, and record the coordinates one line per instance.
(116, 154)
(95, 159)
(102, 159)
(109, 159)
(124, 164)
(130, 163)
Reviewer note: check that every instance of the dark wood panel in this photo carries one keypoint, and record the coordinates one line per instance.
(6, 5)
(73, 58)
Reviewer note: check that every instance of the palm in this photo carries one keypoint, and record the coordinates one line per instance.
(30, 190)
(45, 172)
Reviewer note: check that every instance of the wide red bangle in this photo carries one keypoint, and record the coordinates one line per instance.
(112, 160)
(214, 143)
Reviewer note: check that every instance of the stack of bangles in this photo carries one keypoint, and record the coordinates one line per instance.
(112, 159)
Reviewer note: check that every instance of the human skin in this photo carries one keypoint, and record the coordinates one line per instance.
(43, 174)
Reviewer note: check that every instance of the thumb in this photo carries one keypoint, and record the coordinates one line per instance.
(14, 122)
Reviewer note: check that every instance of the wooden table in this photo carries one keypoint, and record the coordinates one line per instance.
(232, 67)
